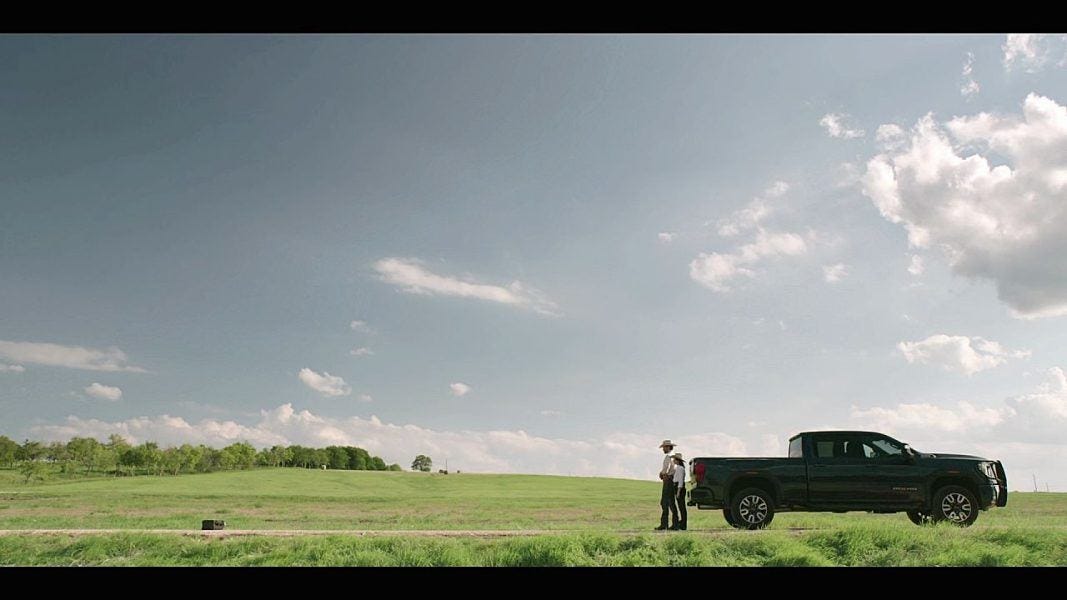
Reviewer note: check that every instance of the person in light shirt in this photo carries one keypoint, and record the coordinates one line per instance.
(679, 494)
(666, 499)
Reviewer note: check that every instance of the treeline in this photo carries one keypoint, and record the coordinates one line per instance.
(119, 457)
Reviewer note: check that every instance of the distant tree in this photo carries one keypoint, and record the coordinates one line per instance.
(395, 467)
(151, 456)
(322, 457)
(358, 459)
(30, 451)
(34, 470)
(171, 461)
(377, 463)
(422, 463)
(8, 450)
(338, 457)
(281, 456)
(240, 455)
(86, 452)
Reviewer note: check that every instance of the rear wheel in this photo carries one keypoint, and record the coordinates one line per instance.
(955, 504)
(729, 516)
(919, 517)
(752, 508)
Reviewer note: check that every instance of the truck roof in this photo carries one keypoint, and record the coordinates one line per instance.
(839, 431)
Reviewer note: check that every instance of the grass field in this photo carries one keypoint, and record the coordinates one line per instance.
(585, 521)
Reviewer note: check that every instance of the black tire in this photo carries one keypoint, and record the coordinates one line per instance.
(729, 516)
(920, 518)
(955, 504)
(753, 508)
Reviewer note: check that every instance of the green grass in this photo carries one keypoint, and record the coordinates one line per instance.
(600, 522)
(850, 545)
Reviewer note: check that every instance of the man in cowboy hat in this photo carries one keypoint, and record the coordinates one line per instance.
(666, 474)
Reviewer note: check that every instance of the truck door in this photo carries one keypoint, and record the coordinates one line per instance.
(862, 471)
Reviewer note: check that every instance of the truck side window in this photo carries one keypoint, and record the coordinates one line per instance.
(796, 450)
(824, 448)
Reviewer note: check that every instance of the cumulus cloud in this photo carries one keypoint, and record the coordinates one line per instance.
(834, 273)
(362, 351)
(837, 126)
(969, 87)
(667, 237)
(717, 270)
(11, 368)
(71, 357)
(958, 353)
(916, 267)
(744, 219)
(459, 389)
(1026, 50)
(923, 418)
(496, 451)
(366, 398)
(1002, 222)
(325, 384)
(412, 277)
(105, 392)
(777, 189)
(359, 326)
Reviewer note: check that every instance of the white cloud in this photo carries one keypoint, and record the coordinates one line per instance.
(325, 384)
(366, 398)
(495, 451)
(916, 266)
(551, 413)
(716, 270)
(837, 126)
(1003, 223)
(363, 351)
(72, 357)
(459, 389)
(105, 392)
(778, 188)
(744, 219)
(1028, 50)
(359, 326)
(890, 136)
(969, 87)
(11, 368)
(925, 417)
(959, 353)
(414, 278)
(667, 237)
(834, 273)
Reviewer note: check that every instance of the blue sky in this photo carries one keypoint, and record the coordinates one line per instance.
(558, 250)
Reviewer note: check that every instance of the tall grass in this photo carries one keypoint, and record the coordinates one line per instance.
(852, 545)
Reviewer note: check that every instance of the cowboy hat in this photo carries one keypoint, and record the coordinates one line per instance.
(677, 455)
(667, 443)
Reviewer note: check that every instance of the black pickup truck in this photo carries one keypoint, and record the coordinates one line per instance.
(841, 471)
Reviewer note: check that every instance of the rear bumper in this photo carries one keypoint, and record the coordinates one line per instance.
(702, 497)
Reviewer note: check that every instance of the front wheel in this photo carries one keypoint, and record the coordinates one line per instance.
(752, 508)
(919, 517)
(955, 504)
